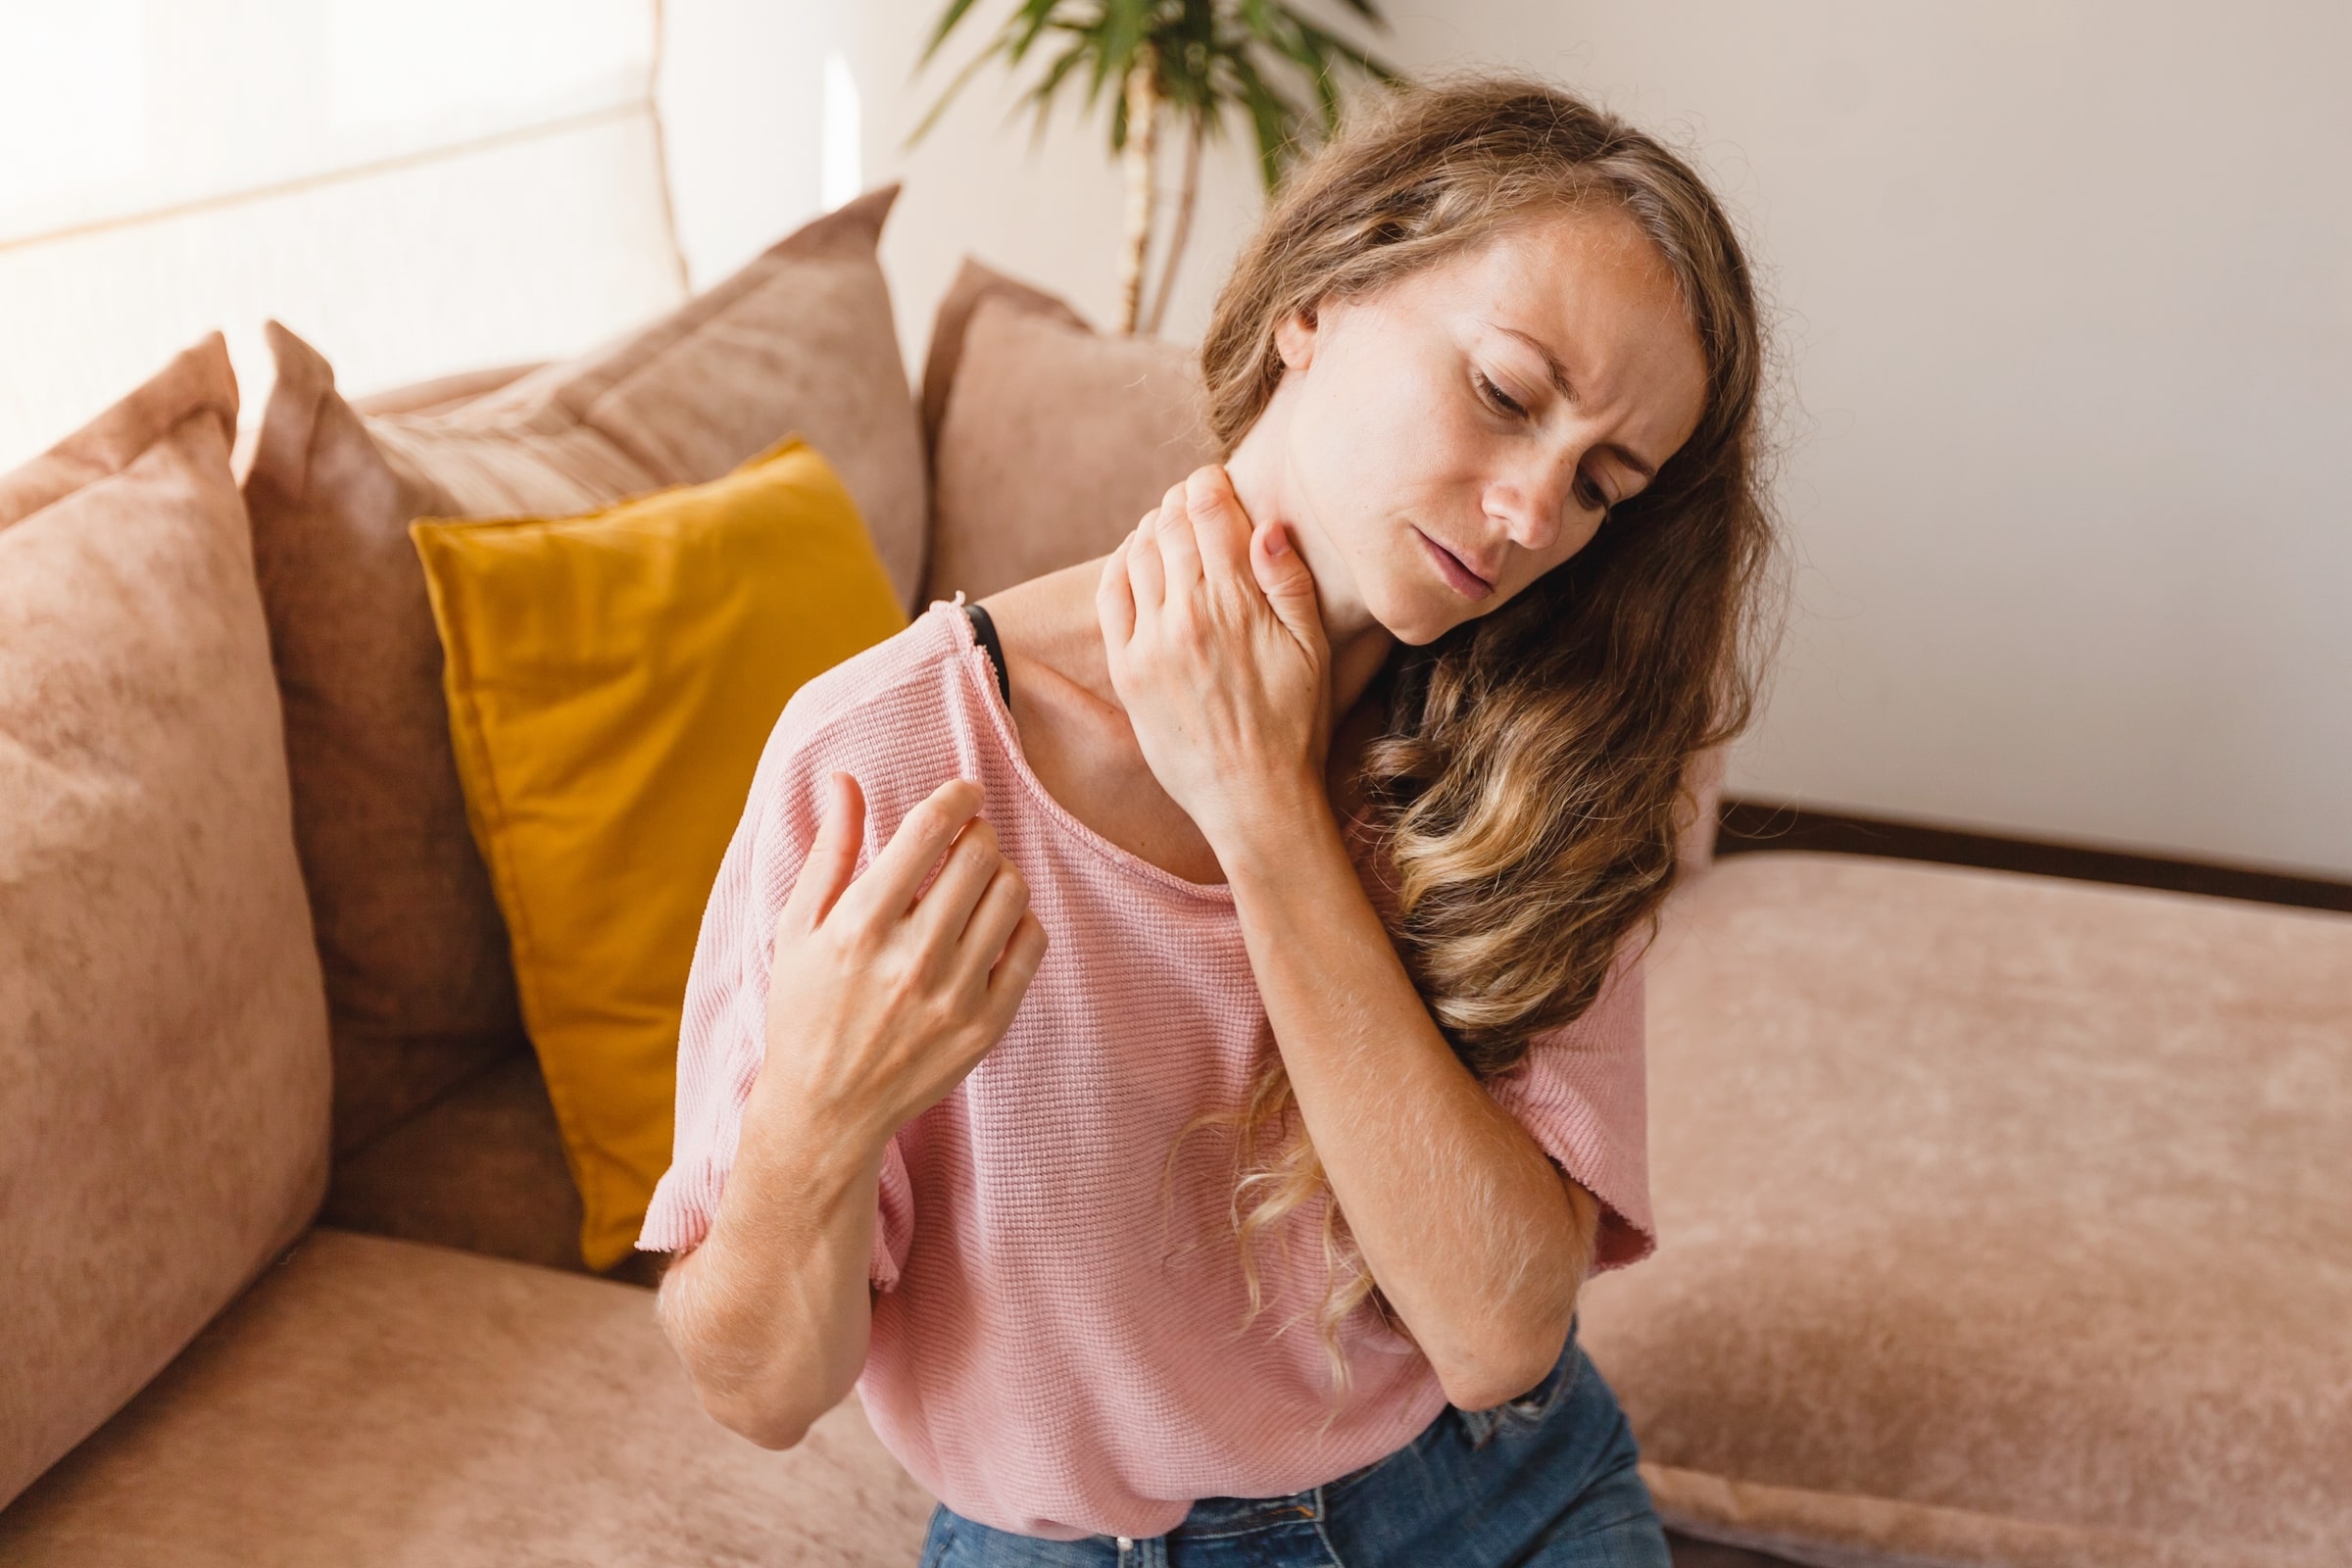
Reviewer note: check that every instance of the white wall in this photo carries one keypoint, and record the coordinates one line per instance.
(740, 89)
(414, 190)
(2067, 294)
(2067, 291)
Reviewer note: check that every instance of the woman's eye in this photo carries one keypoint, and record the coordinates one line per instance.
(1592, 495)
(1496, 396)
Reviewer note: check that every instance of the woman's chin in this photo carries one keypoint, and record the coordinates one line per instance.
(1409, 618)
(1408, 608)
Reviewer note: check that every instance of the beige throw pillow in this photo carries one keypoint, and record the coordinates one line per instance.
(163, 1026)
(416, 958)
(1048, 440)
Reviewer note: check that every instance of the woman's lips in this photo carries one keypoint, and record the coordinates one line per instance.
(1469, 584)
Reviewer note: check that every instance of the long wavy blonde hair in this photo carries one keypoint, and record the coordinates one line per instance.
(1528, 785)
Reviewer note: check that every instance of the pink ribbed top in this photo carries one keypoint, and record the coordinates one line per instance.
(1055, 1352)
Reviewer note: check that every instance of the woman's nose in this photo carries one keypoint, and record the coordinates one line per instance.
(1531, 501)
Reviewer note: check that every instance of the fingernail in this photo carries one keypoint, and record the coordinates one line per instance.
(1278, 541)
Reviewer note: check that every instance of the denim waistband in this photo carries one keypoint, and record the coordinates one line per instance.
(1212, 1517)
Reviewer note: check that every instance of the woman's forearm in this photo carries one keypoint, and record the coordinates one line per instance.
(771, 1314)
(880, 1000)
(1467, 1226)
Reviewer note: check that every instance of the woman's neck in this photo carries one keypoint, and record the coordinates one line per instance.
(1074, 731)
(1268, 489)
(1055, 615)
(1075, 736)
(1054, 640)
(1052, 621)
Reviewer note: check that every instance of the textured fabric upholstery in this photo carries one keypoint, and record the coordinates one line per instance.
(374, 1401)
(480, 1168)
(802, 339)
(442, 393)
(163, 1025)
(2002, 1221)
(1048, 440)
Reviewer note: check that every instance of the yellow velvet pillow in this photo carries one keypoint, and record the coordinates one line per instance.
(612, 681)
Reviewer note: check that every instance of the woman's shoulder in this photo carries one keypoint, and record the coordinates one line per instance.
(899, 716)
(907, 677)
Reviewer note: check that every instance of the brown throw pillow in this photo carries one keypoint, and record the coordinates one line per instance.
(417, 965)
(163, 1027)
(1048, 440)
(442, 393)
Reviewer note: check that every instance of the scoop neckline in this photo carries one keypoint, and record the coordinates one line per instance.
(972, 660)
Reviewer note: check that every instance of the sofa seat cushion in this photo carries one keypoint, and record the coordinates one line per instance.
(480, 1168)
(382, 1402)
(2001, 1220)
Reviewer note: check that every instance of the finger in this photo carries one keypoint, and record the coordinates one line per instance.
(1220, 526)
(1179, 552)
(946, 907)
(1288, 585)
(832, 859)
(888, 887)
(1000, 909)
(1009, 980)
(1148, 572)
(1114, 598)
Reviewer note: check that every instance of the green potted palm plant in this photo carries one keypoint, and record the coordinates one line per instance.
(1192, 60)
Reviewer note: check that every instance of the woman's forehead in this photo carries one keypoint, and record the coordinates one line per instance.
(1582, 295)
(1548, 260)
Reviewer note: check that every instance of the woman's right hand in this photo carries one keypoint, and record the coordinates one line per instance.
(880, 1002)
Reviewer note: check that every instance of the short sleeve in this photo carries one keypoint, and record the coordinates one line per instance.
(721, 1030)
(1582, 1095)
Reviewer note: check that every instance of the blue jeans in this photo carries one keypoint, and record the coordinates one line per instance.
(1543, 1481)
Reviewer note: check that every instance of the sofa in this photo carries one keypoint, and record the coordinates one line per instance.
(2001, 1218)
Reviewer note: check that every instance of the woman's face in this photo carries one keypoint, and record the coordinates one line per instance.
(1442, 442)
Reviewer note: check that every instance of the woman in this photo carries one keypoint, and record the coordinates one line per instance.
(1345, 789)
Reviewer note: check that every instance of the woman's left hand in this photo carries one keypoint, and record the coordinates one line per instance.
(1217, 649)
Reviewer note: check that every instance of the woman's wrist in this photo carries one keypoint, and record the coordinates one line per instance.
(802, 1164)
(1273, 828)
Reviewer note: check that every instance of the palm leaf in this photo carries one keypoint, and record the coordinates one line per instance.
(1125, 24)
(1328, 45)
(939, 34)
(1271, 115)
(1012, 39)
(1210, 57)
(931, 116)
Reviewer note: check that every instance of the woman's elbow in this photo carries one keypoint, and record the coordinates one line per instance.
(769, 1416)
(730, 1391)
(1507, 1365)
(756, 1422)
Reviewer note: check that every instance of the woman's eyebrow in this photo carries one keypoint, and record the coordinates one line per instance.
(1552, 362)
(1567, 390)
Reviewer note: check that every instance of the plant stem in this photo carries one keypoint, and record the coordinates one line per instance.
(1184, 225)
(1143, 121)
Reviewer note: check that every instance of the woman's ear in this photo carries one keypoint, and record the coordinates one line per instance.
(1294, 338)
